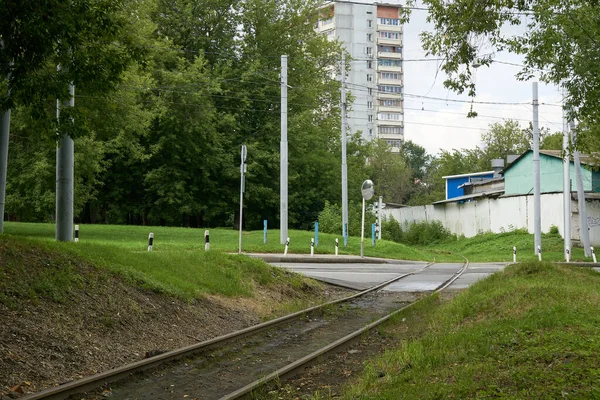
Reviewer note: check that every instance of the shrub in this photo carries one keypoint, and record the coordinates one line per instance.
(391, 230)
(425, 233)
(330, 219)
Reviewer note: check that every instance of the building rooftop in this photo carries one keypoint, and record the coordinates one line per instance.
(585, 159)
(467, 197)
(467, 175)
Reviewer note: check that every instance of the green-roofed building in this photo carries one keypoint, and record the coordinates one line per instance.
(518, 176)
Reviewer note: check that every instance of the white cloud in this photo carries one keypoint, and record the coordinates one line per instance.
(436, 124)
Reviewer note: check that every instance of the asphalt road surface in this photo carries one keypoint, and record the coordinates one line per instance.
(362, 276)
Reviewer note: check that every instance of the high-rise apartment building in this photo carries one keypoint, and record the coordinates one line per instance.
(372, 34)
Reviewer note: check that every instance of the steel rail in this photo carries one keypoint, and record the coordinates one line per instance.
(94, 381)
(300, 364)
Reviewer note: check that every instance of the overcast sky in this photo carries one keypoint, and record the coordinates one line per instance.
(441, 124)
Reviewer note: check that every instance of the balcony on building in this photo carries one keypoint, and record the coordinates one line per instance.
(388, 122)
(391, 28)
(390, 118)
(386, 93)
(389, 55)
(394, 109)
(389, 38)
(389, 65)
(325, 24)
(397, 82)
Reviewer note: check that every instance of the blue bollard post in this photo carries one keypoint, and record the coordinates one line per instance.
(265, 231)
(316, 233)
(373, 234)
(345, 232)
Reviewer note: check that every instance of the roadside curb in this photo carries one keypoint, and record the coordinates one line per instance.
(578, 264)
(318, 259)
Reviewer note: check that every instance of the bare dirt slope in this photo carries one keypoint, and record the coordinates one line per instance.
(104, 322)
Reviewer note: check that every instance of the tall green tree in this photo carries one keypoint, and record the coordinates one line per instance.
(391, 176)
(88, 39)
(502, 139)
(558, 39)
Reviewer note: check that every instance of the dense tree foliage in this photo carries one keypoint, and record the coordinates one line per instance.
(163, 136)
(168, 91)
(558, 39)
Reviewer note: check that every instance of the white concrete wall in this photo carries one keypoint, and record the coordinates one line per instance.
(502, 214)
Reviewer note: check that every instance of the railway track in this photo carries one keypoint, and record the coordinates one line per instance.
(272, 350)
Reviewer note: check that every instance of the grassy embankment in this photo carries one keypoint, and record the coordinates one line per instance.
(530, 332)
(178, 265)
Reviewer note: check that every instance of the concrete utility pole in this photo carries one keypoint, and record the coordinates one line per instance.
(537, 215)
(566, 185)
(344, 157)
(243, 155)
(65, 164)
(583, 225)
(4, 131)
(283, 157)
(380, 210)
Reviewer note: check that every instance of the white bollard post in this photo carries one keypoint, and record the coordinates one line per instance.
(336, 246)
(540, 253)
(206, 241)
(150, 241)
(312, 247)
(593, 255)
(514, 254)
(287, 244)
(568, 254)
(76, 234)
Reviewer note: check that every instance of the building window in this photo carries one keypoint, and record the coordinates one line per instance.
(369, 64)
(369, 37)
(370, 91)
(369, 104)
(326, 21)
(389, 116)
(389, 89)
(370, 23)
(394, 143)
(391, 130)
(369, 77)
(370, 132)
(386, 62)
(390, 75)
(370, 118)
(369, 50)
(388, 21)
(389, 49)
(389, 35)
(390, 103)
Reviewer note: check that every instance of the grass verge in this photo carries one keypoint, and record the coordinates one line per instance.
(499, 247)
(32, 267)
(481, 248)
(530, 331)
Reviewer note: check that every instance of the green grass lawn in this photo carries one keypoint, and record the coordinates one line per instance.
(166, 239)
(529, 332)
(499, 247)
(179, 265)
(481, 248)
